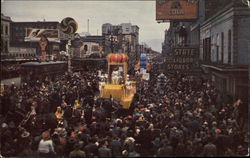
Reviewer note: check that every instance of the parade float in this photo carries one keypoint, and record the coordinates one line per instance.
(118, 86)
(143, 67)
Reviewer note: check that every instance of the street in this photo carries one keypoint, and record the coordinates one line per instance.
(164, 78)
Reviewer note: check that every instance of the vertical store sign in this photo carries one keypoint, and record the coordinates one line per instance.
(183, 59)
(176, 9)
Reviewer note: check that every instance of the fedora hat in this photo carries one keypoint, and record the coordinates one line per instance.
(25, 134)
(72, 140)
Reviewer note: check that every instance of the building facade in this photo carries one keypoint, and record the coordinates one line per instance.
(224, 48)
(88, 45)
(17, 39)
(123, 38)
(123, 35)
(5, 35)
(221, 34)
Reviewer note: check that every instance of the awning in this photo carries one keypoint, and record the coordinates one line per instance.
(223, 68)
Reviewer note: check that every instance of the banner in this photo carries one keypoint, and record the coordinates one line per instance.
(34, 35)
(176, 9)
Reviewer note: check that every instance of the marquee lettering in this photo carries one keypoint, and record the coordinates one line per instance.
(182, 59)
(177, 67)
(184, 52)
(176, 12)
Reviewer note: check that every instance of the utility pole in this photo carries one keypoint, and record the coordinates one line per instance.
(69, 55)
(88, 26)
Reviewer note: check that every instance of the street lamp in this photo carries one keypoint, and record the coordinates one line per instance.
(112, 40)
(69, 55)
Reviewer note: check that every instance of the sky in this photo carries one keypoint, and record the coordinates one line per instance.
(140, 13)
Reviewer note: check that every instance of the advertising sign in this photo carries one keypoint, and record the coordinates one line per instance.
(34, 35)
(176, 9)
(182, 59)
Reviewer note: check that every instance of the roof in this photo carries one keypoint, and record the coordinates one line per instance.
(93, 39)
(35, 22)
(5, 18)
(17, 59)
(43, 63)
(88, 59)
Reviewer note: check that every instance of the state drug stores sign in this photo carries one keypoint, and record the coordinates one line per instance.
(182, 59)
(176, 9)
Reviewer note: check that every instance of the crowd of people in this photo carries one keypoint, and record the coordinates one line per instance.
(64, 118)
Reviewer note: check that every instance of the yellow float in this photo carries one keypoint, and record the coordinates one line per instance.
(118, 85)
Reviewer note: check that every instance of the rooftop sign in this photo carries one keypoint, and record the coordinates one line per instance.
(176, 10)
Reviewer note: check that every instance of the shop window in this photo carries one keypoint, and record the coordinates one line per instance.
(222, 47)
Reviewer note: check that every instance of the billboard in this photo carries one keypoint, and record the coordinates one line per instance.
(34, 35)
(176, 9)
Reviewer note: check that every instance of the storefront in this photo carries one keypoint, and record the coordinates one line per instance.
(231, 81)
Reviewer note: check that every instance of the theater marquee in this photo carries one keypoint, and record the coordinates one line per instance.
(176, 9)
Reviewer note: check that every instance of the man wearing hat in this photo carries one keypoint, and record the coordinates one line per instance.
(91, 149)
(77, 152)
(72, 140)
(104, 151)
(116, 146)
(210, 149)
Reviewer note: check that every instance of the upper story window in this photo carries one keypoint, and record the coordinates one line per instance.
(1, 29)
(6, 30)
